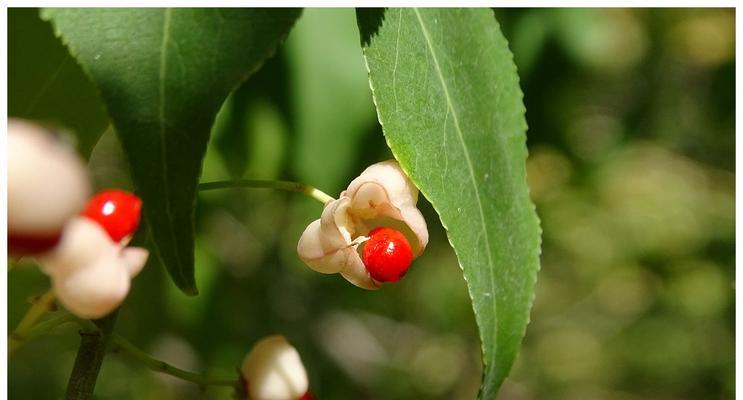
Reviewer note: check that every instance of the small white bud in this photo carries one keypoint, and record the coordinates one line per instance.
(273, 370)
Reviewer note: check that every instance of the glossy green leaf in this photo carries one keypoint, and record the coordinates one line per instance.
(47, 84)
(449, 102)
(163, 74)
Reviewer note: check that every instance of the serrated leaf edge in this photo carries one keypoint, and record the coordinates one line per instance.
(444, 225)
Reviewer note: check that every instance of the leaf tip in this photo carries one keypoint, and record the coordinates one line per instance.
(189, 290)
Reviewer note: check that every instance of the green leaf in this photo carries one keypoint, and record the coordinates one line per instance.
(449, 102)
(47, 85)
(163, 74)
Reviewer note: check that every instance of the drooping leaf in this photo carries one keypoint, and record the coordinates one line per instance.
(163, 74)
(449, 102)
(48, 85)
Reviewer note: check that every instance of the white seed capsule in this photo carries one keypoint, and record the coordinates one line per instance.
(47, 182)
(91, 274)
(273, 370)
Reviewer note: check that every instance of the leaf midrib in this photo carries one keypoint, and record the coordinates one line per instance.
(161, 121)
(464, 149)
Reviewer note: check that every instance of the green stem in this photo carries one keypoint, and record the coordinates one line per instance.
(297, 187)
(161, 366)
(13, 262)
(42, 328)
(93, 343)
(40, 307)
(89, 329)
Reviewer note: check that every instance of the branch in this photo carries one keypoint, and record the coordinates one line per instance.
(93, 343)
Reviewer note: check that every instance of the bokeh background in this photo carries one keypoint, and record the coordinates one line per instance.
(631, 166)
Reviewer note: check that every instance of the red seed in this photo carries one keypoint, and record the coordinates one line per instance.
(117, 211)
(387, 254)
(20, 244)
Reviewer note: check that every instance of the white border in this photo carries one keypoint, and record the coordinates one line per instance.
(330, 3)
(4, 195)
(738, 202)
(370, 3)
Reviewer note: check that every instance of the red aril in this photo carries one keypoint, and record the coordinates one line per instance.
(117, 211)
(387, 254)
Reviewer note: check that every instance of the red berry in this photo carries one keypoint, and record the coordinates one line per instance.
(116, 211)
(307, 396)
(20, 244)
(387, 254)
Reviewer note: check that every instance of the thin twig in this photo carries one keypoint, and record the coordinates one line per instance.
(297, 187)
(42, 328)
(161, 366)
(39, 307)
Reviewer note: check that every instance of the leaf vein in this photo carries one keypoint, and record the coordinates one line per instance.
(162, 127)
(443, 146)
(397, 53)
(460, 136)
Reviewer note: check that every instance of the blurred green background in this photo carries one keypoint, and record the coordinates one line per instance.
(631, 166)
